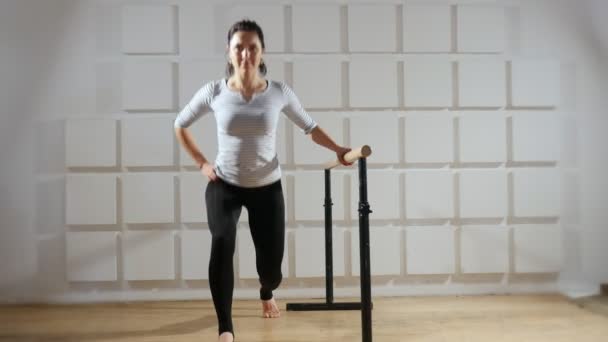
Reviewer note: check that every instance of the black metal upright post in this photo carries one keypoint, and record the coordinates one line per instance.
(329, 274)
(329, 261)
(366, 292)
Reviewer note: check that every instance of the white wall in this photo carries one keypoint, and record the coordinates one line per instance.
(487, 173)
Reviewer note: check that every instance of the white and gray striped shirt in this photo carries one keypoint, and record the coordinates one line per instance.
(246, 130)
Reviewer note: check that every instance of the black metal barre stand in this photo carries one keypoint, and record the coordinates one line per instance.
(366, 301)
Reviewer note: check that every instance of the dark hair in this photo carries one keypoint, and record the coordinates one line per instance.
(247, 26)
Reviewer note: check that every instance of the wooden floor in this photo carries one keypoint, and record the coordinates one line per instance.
(480, 318)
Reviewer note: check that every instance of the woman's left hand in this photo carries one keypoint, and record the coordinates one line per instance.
(340, 153)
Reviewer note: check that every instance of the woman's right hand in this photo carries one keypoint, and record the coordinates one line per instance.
(209, 170)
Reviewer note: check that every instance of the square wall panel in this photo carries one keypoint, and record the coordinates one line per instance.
(321, 36)
(275, 69)
(90, 143)
(429, 137)
(196, 251)
(192, 186)
(310, 252)
(148, 198)
(91, 256)
(384, 251)
(270, 17)
(372, 28)
(90, 199)
(317, 82)
(483, 193)
(379, 130)
(535, 83)
(429, 194)
(484, 249)
(373, 83)
(538, 248)
(149, 255)
(536, 136)
(427, 28)
(430, 250)
(149, 29)
(204, 132)
(483, 137)
(306, 151)
(148, 85)
(247, 256)
(147, 141)
(482, 83)
(382, 192)
(536, 192)
(193, 75)
(427, 82)
(310, 195)
(481, 28)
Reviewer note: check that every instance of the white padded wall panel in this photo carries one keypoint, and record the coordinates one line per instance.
(383, 194)
(483, 137)
(147, 141)
(310, 193)
(310, 252)
(317, 82)
(429, 194)
(148, 85)
(481, 28)
(427, 28)
(148, 198)
(535, 83)
(149, 255)
(430, 250)
(247, 256)
(192, 197)
(373, 82)
(482, 83)
(316, 28)
(538, 248)
(380, 130)
(307, 151)
(149, 29)
(385, 251)
(484, 249)
(427, 82)
(193, 75)
(90, 199)
(483, 193)
(275, 69)
(536, 192)
(204, 132)
(269, 17)
(536, 136)
(91, 256)
(372, 28)
(429, 137)
(90, 143)
(196, 251)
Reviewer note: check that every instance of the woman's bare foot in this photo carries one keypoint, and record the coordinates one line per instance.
(226, 337)
(270, 309)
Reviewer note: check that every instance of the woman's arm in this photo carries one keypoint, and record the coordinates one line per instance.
(319, 136)
(184, 137)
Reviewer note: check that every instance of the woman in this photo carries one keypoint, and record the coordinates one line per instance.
(246, 171)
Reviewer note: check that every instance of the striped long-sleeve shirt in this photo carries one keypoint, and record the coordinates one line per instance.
(246, 130)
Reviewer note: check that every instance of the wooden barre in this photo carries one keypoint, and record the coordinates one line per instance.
(351, 157)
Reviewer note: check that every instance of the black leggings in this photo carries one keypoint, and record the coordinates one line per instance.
(266, 209)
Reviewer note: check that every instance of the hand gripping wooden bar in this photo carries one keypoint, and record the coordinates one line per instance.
(351, 157)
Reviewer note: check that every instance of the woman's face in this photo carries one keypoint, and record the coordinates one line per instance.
(245, 51)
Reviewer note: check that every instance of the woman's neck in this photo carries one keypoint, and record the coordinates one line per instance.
(245, 81)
